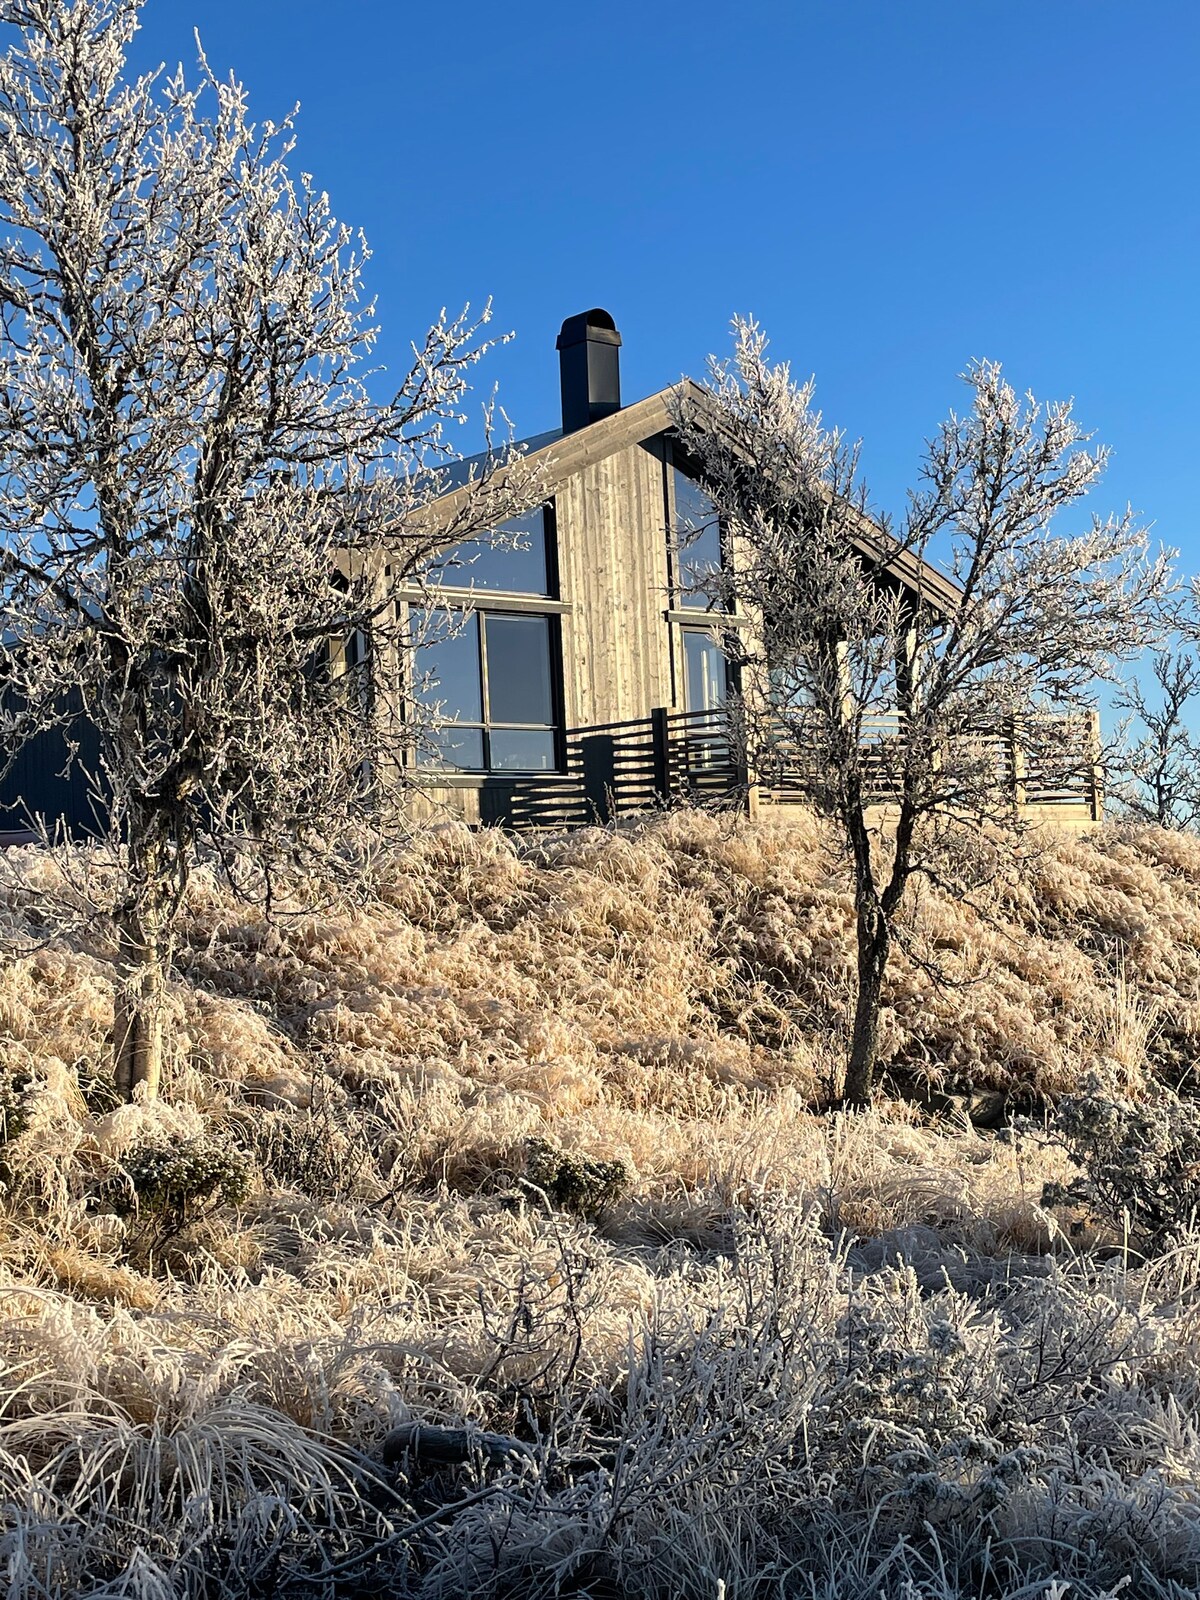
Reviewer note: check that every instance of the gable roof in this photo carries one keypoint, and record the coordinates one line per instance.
(560, 456)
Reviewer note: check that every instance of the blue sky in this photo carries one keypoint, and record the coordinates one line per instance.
(892, 188)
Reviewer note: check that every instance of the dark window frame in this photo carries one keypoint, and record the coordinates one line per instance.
(675, 460)
(487, 725)
(480, 604)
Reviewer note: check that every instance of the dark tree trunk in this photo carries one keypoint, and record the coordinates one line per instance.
(874, 941)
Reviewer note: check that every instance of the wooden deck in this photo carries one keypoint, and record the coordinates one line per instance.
(675, 758)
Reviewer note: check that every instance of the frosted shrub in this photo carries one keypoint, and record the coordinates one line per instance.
(14, 1114)
(14, 1107)
(572, 1181)
(795, 1425)
(314, 1151)
(172, 1185)
(1140, 1158)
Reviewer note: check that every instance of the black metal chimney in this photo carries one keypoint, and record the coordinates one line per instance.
(590, 368)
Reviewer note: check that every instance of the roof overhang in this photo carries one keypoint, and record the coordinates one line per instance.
(648, 419)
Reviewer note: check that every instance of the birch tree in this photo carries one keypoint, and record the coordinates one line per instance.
(1155, 768)
(896, 703)
(205, 517)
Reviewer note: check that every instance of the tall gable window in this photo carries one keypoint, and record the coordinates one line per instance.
(492, 675)
(696, 544)
(696, 552)
(519, 561)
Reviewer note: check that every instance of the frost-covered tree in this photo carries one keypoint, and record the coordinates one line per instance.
(1154, 772)
(205, 515)
(900, 700)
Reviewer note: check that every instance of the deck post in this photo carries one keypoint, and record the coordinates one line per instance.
(1096, 770)
(1020, 768)
(598, 753)
(660, 739)
(744, 778)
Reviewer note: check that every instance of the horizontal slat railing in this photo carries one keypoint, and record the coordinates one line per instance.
(674, 757)
(658, 760)
(702, 760)
(1065, 773)
(1056, 772)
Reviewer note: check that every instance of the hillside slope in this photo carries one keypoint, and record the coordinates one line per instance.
(536, 1142)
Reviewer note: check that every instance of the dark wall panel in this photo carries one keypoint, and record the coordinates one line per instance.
(38, 783)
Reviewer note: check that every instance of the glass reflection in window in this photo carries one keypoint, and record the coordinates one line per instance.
(448, 666)
(697, 534)
(491, 684)
(517, 564)
(522, 749)
(518, 658)
(705, 671)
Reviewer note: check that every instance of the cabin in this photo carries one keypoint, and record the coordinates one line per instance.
(589, 672)
(583, 673)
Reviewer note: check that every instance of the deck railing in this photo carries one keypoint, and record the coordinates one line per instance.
(669, 757)
(675, 757)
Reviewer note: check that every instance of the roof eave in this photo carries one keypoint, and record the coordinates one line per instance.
(649, 418)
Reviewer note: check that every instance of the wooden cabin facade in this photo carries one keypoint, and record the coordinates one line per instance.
(584, 674)
(590, 675)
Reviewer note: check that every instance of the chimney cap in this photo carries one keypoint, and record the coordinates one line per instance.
(595, 326)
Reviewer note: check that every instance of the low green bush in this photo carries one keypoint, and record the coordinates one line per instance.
(174, 1183)
(574, 1182)
(14, 1104)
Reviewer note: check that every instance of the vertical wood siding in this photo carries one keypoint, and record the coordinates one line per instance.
(39, 783)
(612, 552)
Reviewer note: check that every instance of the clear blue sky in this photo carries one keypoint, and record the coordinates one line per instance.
(892, 186)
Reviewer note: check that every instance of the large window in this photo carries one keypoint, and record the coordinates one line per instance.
(696, 544)
(697, 556)
(705, 671)
(519, 559)
(490, 676)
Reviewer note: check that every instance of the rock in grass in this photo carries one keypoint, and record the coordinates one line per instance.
(435, 1446)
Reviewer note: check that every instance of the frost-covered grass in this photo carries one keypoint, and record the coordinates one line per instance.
(765, 1347)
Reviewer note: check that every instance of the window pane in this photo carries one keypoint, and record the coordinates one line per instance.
(447, 668)
(518, 669)
(522, 750)
(518, 569)
(452, 747)
(789, 688)
(698, 542)
(704, 671)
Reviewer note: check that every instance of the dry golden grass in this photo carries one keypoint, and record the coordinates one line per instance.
(672, 997)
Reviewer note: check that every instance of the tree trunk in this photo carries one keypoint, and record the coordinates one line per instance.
(137, 1010)
(874, 940)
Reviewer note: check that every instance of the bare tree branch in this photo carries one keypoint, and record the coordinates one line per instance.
(1154, 770)
(206, 519)
(907, 694)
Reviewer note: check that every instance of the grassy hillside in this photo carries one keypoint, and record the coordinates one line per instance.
(537, 1143)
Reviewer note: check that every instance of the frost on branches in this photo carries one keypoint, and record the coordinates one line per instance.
(1155, 771)
(889, 691)
(205, 515)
